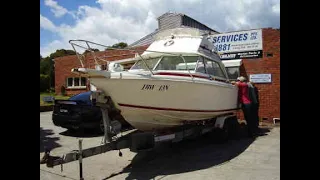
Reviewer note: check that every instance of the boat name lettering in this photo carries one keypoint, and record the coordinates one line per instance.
(155, 87)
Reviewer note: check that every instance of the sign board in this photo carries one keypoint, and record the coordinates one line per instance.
(48, 99)
(238, 45)
(260, 78)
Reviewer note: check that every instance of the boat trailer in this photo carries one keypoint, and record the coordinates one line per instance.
(138, 141)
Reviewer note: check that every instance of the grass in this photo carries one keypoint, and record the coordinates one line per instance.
(42, 103)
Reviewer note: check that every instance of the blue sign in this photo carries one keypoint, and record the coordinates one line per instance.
(48, 99)
(260, 78)
(238, 45)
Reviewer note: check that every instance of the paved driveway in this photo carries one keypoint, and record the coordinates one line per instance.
(242, 159)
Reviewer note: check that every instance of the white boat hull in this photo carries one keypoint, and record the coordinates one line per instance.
(157, 102)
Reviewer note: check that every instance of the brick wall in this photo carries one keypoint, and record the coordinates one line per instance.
(269, 94)
(63, 66)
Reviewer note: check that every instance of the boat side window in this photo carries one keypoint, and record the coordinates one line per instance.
(141, 65)
(217, 70)
(209, 67)
(177, 63)
(201, 68)
(233, 72)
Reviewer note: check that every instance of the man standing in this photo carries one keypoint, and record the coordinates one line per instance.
(245, 101)
(254, 96)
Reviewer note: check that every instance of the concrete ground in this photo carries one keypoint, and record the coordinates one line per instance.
(243, 159)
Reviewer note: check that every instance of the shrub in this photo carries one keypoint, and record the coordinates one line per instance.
(44, 83)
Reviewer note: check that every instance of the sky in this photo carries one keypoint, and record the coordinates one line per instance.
(112, 21)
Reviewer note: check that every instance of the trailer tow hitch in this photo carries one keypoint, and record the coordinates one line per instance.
(50, 160)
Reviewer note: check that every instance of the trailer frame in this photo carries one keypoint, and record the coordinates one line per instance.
(136, 140)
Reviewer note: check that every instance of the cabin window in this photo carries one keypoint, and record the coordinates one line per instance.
(217, 71)
(214, 69)
(233, 72)
(201, 66)
(177, 63)
(209, 67)
(141, 65)
(76, 82)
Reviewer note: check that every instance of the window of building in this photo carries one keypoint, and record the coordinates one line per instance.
(269, 55)
(233, 72)
(83, 81)
(69, 82)
(76, 82)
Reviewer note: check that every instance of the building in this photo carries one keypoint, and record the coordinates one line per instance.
(73, 84)
(173, 20)
(264, 70)
(254, 54)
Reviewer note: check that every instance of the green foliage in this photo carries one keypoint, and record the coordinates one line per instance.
(87, 51)
(63, 90)
(46, 65)
(47, 68)
(61, 52)
(120, 45)
(44, 82)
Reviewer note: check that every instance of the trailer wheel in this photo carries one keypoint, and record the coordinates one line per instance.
(233, 127)
(223, 134)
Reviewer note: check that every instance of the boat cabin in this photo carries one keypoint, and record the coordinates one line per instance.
(196, 65)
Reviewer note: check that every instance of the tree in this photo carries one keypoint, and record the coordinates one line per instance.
(44, 82)
(120, 45)
(46, 74)
(47, 67)
(87, 51)
(61, 52)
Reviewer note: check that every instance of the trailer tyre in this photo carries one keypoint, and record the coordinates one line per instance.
(223, 134)
(233, 128)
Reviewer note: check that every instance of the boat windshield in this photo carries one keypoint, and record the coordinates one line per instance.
(177, 63)
(193, 63)
(141, 65)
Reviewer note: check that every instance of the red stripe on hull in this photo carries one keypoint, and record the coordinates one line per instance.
(172, 109)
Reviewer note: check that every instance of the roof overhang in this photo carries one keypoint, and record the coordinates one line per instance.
(232, 63)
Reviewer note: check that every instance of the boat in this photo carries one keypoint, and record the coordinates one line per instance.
(179, 78)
